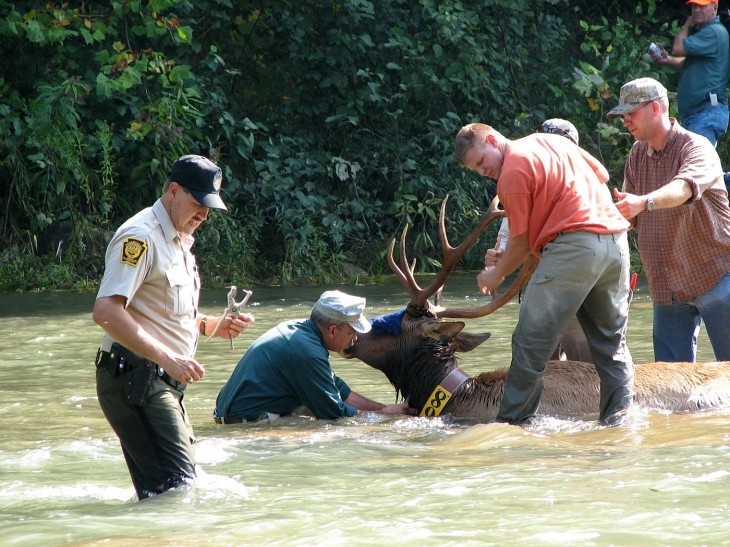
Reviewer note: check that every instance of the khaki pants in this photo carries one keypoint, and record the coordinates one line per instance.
(583, 274)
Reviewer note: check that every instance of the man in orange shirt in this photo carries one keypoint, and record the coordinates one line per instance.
(574, 345)
(559, 207)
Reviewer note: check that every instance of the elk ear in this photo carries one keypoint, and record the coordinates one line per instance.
(443, 330)
(466, 341)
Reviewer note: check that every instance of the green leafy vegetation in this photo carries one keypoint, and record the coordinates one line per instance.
(333, 121)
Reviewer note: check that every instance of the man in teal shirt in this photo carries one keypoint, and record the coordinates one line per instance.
(701, 54)
(288, 367)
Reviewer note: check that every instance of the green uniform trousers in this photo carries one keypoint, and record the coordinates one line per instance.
(157, 438)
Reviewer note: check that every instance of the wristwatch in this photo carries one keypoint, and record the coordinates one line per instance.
(649, 204)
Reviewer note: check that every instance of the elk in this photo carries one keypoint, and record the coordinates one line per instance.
(420, 361)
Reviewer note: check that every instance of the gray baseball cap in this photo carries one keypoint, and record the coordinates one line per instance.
(635, 93)
(343, 308)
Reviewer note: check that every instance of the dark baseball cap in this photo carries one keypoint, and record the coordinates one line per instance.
(201, 177)
(562, 127)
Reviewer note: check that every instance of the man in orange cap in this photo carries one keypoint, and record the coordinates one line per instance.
(701, 54)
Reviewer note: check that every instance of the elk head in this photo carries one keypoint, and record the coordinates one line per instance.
(419, 352)
(419, 355)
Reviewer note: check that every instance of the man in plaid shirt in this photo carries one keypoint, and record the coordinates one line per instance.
(675, 197)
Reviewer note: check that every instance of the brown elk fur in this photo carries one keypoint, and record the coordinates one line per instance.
(571, 389)
(423, 354)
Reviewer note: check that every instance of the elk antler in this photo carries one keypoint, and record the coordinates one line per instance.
(528, 268)
(451, 256)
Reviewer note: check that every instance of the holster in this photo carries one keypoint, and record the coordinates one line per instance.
(138, 371)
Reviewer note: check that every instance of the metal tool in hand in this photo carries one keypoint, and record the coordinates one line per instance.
(233, 308)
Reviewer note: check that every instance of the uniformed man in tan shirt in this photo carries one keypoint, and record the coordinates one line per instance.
(148, 307)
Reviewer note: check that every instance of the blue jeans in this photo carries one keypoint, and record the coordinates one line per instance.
(676, 326)
(710, 122)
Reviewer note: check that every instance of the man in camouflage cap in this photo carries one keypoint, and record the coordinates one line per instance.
(674, 196)
(635, 94)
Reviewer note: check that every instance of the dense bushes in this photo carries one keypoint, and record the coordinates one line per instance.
(333, 121)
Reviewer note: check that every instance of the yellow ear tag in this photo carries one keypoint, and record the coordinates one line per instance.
(133, 250)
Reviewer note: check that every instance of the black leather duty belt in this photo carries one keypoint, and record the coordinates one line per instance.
(121, 360)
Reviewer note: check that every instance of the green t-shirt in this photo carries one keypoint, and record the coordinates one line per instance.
(285, 368)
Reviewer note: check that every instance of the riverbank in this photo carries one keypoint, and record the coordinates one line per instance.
(22, 271)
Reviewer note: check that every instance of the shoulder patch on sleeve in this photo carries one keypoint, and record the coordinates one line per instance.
(133, 250)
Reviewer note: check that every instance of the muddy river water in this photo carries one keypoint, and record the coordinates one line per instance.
(370, 480)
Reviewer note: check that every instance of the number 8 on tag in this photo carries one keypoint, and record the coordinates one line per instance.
(436, 401)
